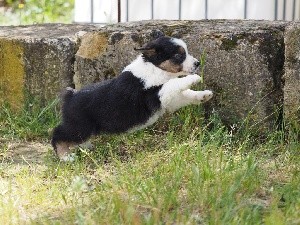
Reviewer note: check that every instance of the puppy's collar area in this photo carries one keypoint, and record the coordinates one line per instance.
(149, 73)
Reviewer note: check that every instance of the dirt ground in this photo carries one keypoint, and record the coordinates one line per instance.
(24, 152)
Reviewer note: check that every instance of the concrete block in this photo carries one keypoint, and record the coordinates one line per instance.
(12, 72)
(36, 61)
(292, 75)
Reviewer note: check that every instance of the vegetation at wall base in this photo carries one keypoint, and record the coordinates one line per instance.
(183, 170)
(31, 122)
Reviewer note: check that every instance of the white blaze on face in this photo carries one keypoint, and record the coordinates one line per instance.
(180, 43)
(188, 65)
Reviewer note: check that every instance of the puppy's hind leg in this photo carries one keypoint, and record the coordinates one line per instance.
(61, 143)
(64, 153)
(66, 136)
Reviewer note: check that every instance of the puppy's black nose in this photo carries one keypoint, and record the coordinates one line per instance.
(197, 63)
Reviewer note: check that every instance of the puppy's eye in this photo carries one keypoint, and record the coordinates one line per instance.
(177, 56)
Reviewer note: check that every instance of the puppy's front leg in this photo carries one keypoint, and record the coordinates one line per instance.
(197, 97)
(183, 83)
(171, 96)
(178, 84)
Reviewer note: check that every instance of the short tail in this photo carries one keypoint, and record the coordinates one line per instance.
(67, 94)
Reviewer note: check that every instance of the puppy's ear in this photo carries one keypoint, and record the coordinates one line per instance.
(147, 51)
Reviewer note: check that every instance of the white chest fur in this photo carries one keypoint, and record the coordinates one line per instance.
(148, 73)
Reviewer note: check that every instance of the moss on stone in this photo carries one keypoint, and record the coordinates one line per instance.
(229, 43)
(97, 44)
(116, 37)
(11, 73)
(177, 30)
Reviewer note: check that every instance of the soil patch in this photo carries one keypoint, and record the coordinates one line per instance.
(23, 152)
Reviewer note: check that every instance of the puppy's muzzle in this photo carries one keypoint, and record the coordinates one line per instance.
(196, 64)
(191, 64)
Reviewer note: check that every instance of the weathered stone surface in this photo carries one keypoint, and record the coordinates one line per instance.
(244, 61)
(292, 75)
(12, 74)
(37, 60)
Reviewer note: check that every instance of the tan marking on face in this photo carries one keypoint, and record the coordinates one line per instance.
(149, 52)
(181, 50)
(170, 67)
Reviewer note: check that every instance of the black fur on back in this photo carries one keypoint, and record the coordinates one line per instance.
(112, 106)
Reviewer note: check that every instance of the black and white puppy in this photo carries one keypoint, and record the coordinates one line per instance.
(143, 92)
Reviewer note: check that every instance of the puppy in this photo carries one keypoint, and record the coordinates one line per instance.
(146, 89)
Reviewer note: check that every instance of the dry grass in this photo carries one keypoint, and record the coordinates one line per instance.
(177, 172)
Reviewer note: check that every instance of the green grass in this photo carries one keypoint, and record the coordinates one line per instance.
(32, 122)
(37, 11)
(180, 171)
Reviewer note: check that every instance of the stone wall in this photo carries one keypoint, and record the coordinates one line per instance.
(37, 60)
(251, 66)
(292, 75)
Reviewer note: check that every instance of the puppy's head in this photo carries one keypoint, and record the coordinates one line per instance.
(171, 55)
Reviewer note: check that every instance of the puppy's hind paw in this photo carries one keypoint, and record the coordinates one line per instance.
(87, 145)
(69, 158)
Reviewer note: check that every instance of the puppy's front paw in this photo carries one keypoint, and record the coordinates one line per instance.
(193, 78)
(206, 95)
